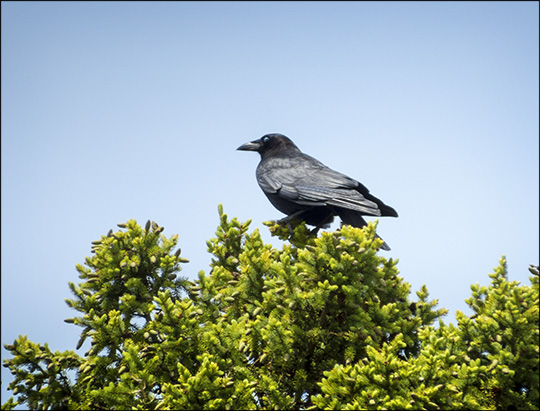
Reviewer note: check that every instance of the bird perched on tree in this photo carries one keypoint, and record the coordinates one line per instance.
(301, 186)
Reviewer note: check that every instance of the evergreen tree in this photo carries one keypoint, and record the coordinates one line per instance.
(325, 322)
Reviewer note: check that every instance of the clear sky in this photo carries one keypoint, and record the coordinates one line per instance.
(120, 110)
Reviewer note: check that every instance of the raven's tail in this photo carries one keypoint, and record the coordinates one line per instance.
(353, 218)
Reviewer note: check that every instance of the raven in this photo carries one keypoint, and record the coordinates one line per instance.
(301, 186)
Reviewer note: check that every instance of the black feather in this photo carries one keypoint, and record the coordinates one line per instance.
(300, 185)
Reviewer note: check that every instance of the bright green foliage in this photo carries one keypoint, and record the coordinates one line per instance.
(325, 322)
(489, 361)
(41, 376)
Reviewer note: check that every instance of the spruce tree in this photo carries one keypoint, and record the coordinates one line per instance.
(323, 322)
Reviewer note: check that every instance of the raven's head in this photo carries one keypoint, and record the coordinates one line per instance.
(270, 144)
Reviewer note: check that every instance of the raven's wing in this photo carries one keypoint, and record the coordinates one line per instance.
(306, 181)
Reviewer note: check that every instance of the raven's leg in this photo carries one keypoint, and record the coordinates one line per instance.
(287, 220)
(325, 223)
(356, 220)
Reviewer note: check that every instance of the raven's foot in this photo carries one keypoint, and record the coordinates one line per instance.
(287, 220)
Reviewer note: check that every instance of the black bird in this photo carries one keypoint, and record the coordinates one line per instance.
(301, 186)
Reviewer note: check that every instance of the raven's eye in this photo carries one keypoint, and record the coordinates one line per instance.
(265, 139)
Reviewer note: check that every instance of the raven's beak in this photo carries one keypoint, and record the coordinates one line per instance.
(251, 146)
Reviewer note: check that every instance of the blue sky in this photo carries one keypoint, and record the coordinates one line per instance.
(120, 110)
